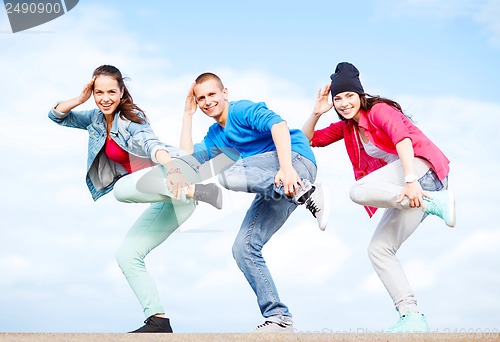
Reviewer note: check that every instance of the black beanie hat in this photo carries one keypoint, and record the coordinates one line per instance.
(345, 78)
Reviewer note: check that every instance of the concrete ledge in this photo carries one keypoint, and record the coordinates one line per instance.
(253, 337)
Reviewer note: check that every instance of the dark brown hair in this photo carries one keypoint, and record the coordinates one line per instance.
(367, 101)
(128, 109)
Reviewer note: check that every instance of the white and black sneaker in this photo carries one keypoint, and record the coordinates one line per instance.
(274, 327)
(316, 201)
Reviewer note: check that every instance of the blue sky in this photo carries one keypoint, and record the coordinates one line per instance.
(437, 58)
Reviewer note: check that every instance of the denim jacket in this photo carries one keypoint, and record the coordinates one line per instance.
(137, 139)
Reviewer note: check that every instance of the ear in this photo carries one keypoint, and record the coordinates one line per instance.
(226, 94)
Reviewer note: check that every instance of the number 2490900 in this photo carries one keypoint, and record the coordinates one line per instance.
(32, 8)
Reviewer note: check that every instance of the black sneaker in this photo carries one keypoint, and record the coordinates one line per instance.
(208, 193)
(155, 324)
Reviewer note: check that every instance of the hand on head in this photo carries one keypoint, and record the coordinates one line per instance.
(190, 106)
(87, 91)
(322, 105)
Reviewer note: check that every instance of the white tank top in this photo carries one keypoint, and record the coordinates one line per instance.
(375, 152)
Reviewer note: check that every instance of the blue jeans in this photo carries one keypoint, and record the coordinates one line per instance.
(268, 212)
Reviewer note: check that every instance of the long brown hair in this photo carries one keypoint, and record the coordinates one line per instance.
(367, 101)
(128, 109)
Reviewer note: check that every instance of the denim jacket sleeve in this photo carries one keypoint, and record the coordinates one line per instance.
(74, 119)
(141, 137)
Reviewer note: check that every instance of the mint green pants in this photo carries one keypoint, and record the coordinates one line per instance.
(154, 226)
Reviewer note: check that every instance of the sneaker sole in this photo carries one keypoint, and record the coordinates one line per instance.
(452, 214)
(220, 198)
(326, 206)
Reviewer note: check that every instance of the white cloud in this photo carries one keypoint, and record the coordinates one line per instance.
(372, 284)
(487, 17)
(19, 268)
(484, 13)
(426, 271)
(62, 174)
(305, 254)
(69, 242)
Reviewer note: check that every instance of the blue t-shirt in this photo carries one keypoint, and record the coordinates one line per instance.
(247, 133)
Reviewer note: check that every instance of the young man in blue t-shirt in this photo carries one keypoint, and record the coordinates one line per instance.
(274, 162)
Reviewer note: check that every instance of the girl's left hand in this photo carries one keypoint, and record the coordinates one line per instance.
(415, 194)
(177, 185)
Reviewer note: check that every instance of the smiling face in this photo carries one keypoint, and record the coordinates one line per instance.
(348, 105)
(107, 94)
(211, 97)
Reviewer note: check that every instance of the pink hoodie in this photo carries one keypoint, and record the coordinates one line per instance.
(384, 126)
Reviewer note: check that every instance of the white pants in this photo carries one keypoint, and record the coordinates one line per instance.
(381, 189)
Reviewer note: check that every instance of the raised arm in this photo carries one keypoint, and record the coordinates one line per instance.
(186, 141)
(321, 106)
(68, 105)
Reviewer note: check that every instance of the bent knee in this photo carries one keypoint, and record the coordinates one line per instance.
(357, 193)
(121, 191)
(372, 251)
(235, 178)
(243, 251)
(122, 257)
(378, 250)
(126, 258)
(223, 180)
(238, 250)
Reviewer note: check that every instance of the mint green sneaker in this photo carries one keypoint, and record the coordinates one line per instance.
(442, 204)
(410, 322)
